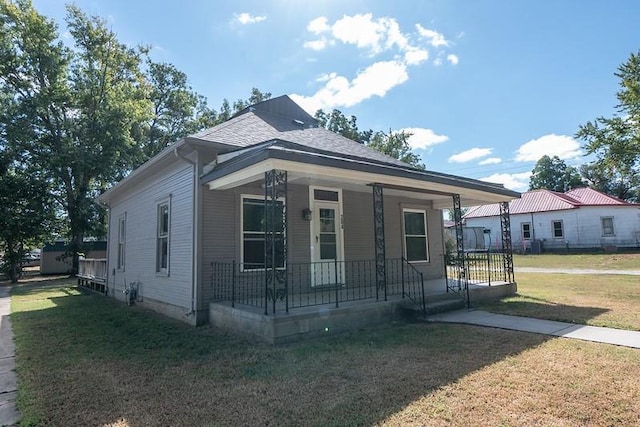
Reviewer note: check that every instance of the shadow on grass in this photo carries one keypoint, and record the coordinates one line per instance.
(542, 309)
(94, 361)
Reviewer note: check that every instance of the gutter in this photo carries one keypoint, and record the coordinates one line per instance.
(196, 229)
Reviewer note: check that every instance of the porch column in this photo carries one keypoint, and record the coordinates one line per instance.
(275, 238)
(505, 226)
(459, 265)
(379, 243)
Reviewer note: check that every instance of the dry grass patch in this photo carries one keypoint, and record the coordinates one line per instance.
(89, 360)
(598, 300)
(559, 383)
(617, 261)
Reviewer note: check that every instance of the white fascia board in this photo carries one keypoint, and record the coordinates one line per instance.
(256, 171)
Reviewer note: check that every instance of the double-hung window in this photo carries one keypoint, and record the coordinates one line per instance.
(122, 239)
(526, 230)
(558, 231)
(607, 226)
(253, 233)
(415, 235)
(162, 238)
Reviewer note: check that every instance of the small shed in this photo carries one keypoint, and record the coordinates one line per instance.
(53, 260)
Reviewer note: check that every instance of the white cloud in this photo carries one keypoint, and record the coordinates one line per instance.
(375, 80)
(245, 18)
(434, 38)
(376, 36)
(438, 61)
(422, 138)
(315, 44)
(415, 56)
(563, 146)
(514, 181)
(468, 155)
(453, 59)
(318, 25)
(491, 161)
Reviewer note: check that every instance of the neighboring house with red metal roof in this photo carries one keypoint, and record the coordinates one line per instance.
(578, 218)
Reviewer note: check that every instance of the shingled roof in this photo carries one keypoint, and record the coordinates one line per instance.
(281, 118)
(546, 200)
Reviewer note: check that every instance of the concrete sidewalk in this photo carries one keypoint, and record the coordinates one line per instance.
(8, 381)
(575, 271)
(539, 326)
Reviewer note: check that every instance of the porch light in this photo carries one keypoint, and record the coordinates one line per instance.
(306, 214)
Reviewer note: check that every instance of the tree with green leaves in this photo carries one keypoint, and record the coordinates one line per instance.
(74, 110)
(178, 111)
(25, 220)
(616, 140)
(552, 173)
(610, 181)
(396, 145)
(337, 122)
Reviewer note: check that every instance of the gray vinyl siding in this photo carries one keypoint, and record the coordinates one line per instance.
(358, 230)
(174, 183)
(221, 229)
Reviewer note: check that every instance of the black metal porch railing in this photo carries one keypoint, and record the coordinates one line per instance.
(478, 267)
(314, 283)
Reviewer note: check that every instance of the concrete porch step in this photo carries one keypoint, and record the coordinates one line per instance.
(433, 307)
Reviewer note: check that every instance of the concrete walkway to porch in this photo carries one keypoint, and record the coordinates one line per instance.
(540, 326)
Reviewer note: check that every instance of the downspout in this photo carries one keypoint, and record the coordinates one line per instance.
(196, 229)
(108, 247)
(106, 284)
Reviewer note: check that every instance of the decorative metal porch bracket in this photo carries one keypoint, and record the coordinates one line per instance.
(378, 228)
(505, 226)
(275, 238)
(461, 273)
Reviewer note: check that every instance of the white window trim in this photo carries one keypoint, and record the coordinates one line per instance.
(553, 229)
(613, 228)
(426, 234)
(241, 228)
(522, 224)
(163, 271)
(122, 230)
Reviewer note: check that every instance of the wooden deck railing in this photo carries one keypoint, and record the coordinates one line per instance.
(92, 273)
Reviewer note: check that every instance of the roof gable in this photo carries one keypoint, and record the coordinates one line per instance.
(589, 196)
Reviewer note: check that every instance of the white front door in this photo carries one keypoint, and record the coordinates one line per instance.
(326, 238)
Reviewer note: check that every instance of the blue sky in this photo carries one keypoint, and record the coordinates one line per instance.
(487, 87)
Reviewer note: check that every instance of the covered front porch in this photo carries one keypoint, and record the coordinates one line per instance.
(318, 235)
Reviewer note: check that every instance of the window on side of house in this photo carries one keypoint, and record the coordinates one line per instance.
(122, 239)
(253, 234)
(607, 226)
(526, 230)
(415, 235)
(162, 238)
(558, 230)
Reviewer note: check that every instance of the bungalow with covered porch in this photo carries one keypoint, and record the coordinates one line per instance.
(274, 226)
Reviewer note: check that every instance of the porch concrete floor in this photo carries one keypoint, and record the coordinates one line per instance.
(324, 317)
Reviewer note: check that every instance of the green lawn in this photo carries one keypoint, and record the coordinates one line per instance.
(599, 261)
(598, 300)
(85, 359)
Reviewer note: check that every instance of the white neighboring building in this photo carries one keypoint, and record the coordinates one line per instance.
(581, 218)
